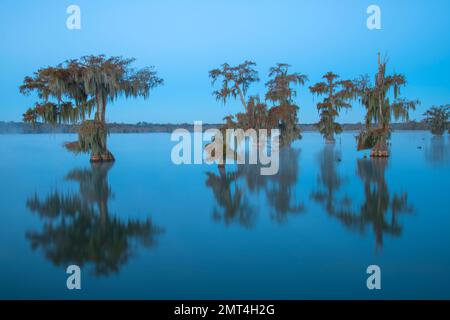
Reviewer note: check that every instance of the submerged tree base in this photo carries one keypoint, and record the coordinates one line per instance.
(375, 153)
(92, 137)
(104, 157)
(380, 150)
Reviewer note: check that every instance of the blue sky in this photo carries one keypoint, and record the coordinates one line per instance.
(185, 39)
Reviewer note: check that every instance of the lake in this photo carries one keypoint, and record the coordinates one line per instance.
(144, 228)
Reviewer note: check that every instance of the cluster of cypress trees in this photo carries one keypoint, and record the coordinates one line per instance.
(73, 90)
(337, 94)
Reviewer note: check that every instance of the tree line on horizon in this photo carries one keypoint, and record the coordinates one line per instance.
(75, 89)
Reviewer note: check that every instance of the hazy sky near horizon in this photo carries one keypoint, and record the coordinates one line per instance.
(185, 39)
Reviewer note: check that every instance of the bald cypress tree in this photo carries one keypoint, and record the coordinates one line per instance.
(74, 89)
(338, 94)
(282, 93)
(437, 118)
(381, 107)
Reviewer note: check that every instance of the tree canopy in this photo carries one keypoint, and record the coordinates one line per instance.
(70, 91)
(257, 115)
(279, 88)
(235, 81)
(437, 118)
(281, 92)
(338, 96)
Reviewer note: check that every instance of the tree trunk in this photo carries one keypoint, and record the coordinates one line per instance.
(380, 149)
(105, 156)
(98, 114)
(330, 139)
(100, 152)
(103, 109)
(241, 95)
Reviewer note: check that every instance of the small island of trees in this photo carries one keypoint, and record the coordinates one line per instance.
(437, 118)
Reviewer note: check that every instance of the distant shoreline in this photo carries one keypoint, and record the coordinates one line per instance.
(143, 127)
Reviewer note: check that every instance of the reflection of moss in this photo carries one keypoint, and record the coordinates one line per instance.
(231, 190)
(438, 151)
(378, 202)
(437, 118)
(79, 229)
(330, 181)
(281, 190)
(92, 137)
(230, 197)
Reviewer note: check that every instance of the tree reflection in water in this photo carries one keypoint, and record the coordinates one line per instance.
(438, 151)
(230, 197)
(380, 208)
(330, 182)
(233, 190)
(281, 191)
(79, 229)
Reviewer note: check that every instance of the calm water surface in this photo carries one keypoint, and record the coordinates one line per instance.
(145, 228)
